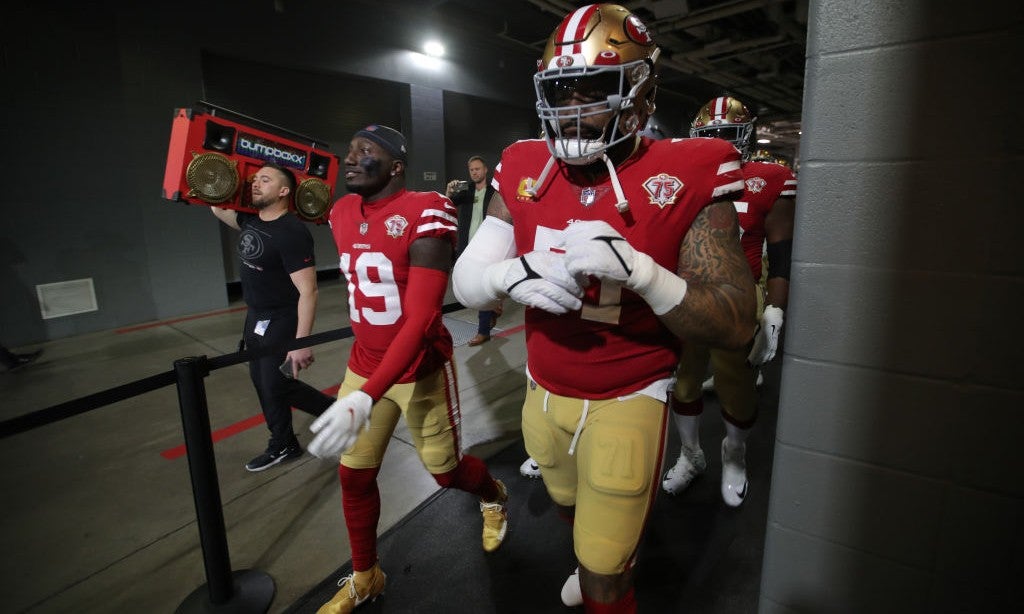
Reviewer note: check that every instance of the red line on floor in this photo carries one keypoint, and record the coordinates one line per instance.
(248, 423)
(131, 329)
(234, 429)
(510, 331)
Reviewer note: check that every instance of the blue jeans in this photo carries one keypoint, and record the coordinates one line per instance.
(485, 322)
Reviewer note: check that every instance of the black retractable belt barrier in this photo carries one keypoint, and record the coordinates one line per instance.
(241, 592)
(246, 591)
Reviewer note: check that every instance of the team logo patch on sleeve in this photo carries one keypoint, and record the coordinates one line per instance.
(523, 191)
(395, 226)
(755, 184)
(663, 189)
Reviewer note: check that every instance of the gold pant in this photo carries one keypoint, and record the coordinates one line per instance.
(611, 476)
(431, 409)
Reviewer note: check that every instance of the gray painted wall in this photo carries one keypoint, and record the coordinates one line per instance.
(897, 483)
(89, 93)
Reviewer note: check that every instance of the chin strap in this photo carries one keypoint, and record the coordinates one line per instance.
(622, 205)
(535, 188)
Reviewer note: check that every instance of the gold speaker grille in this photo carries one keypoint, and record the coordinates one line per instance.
(312, 198)
(212, 177)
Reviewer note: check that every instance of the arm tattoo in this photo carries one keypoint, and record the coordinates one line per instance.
(720, 303)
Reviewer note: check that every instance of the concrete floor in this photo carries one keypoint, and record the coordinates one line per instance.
(100, 514)
(99, 519)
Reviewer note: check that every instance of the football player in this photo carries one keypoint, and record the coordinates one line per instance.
(765, 213)
(619, 246)
(396, 249)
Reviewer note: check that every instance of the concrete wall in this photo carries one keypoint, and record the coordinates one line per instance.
(89, 93)
(897, 485)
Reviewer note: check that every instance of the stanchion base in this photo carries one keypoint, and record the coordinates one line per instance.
(254, 590)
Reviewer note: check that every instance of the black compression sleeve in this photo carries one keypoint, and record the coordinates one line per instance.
(779, 255)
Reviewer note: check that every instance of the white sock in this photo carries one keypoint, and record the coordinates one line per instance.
(735, 435)
(689, 429)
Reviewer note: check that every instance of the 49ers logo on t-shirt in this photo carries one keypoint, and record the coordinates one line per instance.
(755, 184)
(395, 226)
(663, 189)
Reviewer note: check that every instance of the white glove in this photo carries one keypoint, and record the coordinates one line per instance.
(595, 248)
(766, 337)
(338, 427)
(537, 279)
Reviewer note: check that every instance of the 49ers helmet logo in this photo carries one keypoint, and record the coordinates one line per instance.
(564, 60)
(637, 31)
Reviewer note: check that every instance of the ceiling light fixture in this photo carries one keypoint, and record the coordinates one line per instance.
(434, 49)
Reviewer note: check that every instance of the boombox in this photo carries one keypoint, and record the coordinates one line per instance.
(214, 154)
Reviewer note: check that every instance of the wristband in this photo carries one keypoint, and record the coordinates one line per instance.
(661, 288)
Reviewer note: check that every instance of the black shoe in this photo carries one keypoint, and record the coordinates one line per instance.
(272, 457)
(23, 360)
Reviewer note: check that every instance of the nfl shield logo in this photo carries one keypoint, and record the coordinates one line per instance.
(588, 196)
(363, 228)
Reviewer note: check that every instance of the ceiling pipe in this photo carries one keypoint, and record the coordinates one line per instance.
(697, 18)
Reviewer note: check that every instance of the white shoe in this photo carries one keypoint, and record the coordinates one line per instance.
(691, 463)
(709, 384)
(734, 473)
(572, 594)
(529, 468)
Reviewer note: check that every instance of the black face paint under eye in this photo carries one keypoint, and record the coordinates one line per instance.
(371, 166)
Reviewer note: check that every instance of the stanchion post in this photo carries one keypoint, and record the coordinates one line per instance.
(246, 591)
(202, 467)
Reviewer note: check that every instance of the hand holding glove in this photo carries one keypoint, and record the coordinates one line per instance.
(338, 427)
(537, 279)
(595, 248)
(766, 337)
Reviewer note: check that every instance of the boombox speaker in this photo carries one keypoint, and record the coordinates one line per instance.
(214, 154)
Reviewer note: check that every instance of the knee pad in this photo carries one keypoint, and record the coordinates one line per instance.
(437, 458)
(617, 466)
(616, 460)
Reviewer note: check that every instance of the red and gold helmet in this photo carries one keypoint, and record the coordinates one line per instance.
(726, 118)
(601, 59)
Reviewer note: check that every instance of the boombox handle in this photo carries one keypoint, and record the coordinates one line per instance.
(215, 110)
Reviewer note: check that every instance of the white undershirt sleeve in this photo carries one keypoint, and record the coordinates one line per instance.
(493, 243)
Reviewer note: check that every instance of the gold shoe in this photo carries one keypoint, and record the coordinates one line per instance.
(495, 519)
(356, 588)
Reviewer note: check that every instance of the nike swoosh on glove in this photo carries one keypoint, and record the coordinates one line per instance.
(539, 279)
(595, 248)
(766, 338)
(338, 428)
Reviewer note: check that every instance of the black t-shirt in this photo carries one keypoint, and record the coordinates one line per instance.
(270, 252)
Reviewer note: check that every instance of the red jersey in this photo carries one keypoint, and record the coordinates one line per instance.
(373, 242)
(614, 345)
(764, 183)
